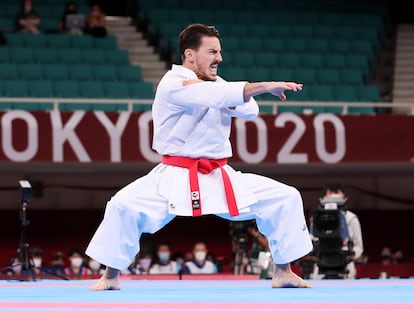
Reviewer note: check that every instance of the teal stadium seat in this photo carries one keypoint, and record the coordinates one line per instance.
(82, 42)
(234, 73)
(69, 56)
(37, 41)
(328, 76)
(55, 71)
(304, 75)
(66, 89)
(257, 74)
(267, 59)
(323, 93)
(108, 42)
(80, 72)
(288, 59)
(41, 88)
(345, 93)
(15, 39)
(91, 89)
(21, 54)
(15, 88)
(8, 71)
(128, 73)
(45, 55)
(104, 72)
(297, 45)
(335, 61)
(93, 56)
(141, 90)
(4, 55)
(30, 71)
(116, 57)
(58, 41)
(116, 89)
(312, 60)
(350, 76)
(274, 44)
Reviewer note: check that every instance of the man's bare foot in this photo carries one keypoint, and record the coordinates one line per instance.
(108, 281)
(283, 277)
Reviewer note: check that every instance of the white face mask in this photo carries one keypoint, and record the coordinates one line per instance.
(200, 255)
(94, 265)
(145, 263)
(164, 256)
(37, 262)
(17, 268)
(76, 262)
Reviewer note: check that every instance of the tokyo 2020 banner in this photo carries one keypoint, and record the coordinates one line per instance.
(284, 138)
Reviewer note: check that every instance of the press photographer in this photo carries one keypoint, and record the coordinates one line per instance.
(337, 235)
(250, 247)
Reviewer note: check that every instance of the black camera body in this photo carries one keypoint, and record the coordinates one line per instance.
(332, 256)
(239, 230)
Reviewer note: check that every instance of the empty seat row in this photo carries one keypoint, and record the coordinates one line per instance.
(330, 93)
(76, 89)
(296, 60)
(378, 7)
(66, 56)
(65, 41)
(304, 75)
(246, 16)
(300, 45)
(71, 72)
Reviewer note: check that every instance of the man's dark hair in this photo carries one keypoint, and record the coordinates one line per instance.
(334, 187)
(190, 37)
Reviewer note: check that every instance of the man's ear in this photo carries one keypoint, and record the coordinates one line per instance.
(189, 54)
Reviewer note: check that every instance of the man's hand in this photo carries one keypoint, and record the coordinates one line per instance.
(278, 88)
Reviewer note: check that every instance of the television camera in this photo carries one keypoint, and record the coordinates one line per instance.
(239, 231)
(332, 246)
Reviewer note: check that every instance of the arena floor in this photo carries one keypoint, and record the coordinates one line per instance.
(207, 294)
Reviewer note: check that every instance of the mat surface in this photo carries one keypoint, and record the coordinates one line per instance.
(229, 295)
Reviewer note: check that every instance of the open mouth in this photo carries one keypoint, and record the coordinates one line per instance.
(213, 69)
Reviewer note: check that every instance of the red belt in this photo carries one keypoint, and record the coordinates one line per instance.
(204, 166)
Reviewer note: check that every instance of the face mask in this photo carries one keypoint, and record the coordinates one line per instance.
(94, 265)
(145, 263)
(17, 269)
(37, 262)
(164, 256)
(76, 262)
(200, 255)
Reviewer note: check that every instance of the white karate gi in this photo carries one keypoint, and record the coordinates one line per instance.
(195, 121)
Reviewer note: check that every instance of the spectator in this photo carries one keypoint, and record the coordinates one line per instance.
(76, 266)
(28, 21)
(36, 255)
(95, 266)
(57, 265)
(144, 263)
(15, 266)
(71, 8)
(164, 264)
(398, 256)
(96, 22)
(386, 256)
(200, 264)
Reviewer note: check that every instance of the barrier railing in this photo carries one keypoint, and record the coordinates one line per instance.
(397, 108)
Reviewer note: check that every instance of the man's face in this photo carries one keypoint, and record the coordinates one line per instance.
(205, 60)
(338, 194)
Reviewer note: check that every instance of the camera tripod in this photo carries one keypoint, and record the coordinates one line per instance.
(28, 271)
